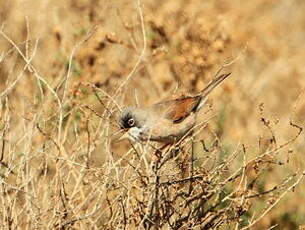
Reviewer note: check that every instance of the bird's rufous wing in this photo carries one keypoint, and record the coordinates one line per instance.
(180, 108)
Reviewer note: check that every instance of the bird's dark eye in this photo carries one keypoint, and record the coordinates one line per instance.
(131, 122)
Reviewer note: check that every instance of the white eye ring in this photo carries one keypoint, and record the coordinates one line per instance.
(131, 122)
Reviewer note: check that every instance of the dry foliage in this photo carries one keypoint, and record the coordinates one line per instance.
(60, 96)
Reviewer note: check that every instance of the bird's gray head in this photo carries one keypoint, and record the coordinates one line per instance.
(132, 120)
(128, 118)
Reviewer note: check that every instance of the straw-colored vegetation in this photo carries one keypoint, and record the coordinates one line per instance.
(68, 67)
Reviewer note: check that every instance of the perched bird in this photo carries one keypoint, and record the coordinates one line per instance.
(166, 121)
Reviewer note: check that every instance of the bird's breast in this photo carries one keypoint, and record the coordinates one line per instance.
(165, 130)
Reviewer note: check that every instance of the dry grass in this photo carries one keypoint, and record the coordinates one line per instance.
(67, 68)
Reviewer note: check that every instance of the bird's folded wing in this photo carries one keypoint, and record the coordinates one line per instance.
(179, 109)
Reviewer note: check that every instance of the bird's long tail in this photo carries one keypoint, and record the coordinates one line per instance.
(215, 82)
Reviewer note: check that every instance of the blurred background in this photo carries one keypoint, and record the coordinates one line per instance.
(185, 43)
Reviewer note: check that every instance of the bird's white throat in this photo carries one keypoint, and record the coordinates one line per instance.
(134, 134)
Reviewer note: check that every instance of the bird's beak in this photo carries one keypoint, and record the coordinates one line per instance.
(118, 136)
(124, 136)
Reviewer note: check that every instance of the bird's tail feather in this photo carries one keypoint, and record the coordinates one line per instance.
(215, 82)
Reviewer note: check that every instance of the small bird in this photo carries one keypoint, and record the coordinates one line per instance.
(166, 121)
